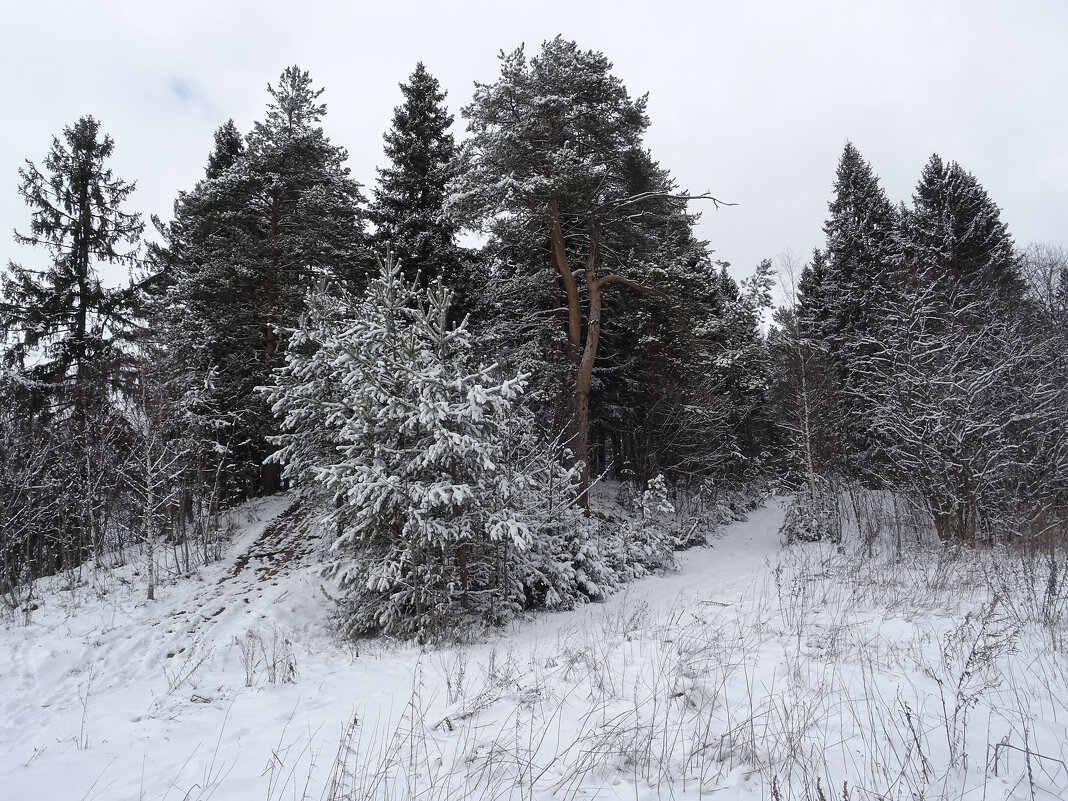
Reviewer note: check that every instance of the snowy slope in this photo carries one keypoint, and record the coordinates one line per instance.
(748, 672)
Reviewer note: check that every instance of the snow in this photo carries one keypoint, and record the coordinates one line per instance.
(750, 670)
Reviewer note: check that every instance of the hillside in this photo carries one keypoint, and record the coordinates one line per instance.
(753, 671)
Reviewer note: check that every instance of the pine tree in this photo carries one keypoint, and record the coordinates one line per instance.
(308, 211)
(409, 201)
(447, 503)
(306, 393)
(556, 162)
(275, 211)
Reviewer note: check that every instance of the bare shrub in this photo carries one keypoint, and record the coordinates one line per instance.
(269, 654)
(189, 660)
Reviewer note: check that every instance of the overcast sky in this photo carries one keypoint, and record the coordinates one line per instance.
(752, 101)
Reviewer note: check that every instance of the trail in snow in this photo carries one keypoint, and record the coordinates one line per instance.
(720, 573)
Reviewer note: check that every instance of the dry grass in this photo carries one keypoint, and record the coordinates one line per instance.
(926, 673)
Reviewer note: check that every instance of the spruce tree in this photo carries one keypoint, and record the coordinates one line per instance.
(861, 244)
(409, 201)
(841, 295)
(62, 325)
(954, 383)
(933, 382)
(229, 147)
(427, 513)
(953, 237)
(65, 332)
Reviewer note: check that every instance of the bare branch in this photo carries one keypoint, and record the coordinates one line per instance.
(634, 285)
(685, 196)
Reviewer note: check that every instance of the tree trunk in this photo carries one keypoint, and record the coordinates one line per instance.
(461, 555)
(270, 478)
(273, 282)
(584, 375)
(584, 350)
(576, 354)
(150, 521)
(271, 474)
(567, 279)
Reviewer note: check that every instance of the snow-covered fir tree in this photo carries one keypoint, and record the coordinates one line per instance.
(838, 304)
(409, 202)
(953, 237)
(65, 337)
(861, 233)
(938, 389)
(427, 516)
(949, 371)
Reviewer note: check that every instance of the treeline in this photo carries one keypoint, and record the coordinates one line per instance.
(447, 407)
(923, 355)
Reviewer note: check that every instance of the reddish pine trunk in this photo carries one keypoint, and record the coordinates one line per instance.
(270, 331)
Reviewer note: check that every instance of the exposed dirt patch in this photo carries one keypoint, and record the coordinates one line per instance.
(287, 539)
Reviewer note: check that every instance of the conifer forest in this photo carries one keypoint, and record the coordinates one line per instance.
(505, 374)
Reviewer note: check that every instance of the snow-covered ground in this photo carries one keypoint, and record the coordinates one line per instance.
(753, 671)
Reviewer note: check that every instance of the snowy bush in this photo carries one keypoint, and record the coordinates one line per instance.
(560, 567)
(643, 543)
(812, 515)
